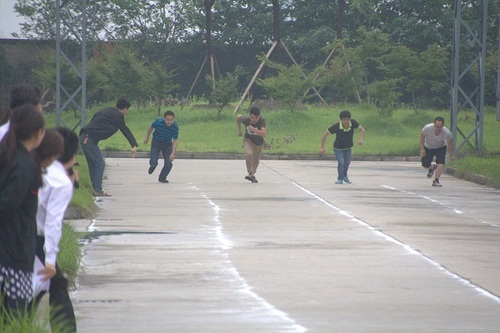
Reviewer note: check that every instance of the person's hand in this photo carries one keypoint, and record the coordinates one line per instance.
(172, 157)
(239, 132)
(48, 272)
(322, 151)
(74, 176)
(360, 142)
(251, 129)
(452, 156)
(422, 152)
(134, 151)
(146, 140)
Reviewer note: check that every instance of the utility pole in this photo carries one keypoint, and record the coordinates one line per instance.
(73, 32)
(468, 62)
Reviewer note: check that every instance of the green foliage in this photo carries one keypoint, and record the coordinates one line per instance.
(69, 256)
(385, 96)
(226, 89)
(118, 71)
(161, 83)
(291, 83)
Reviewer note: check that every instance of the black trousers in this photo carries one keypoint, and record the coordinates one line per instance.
(62, 315)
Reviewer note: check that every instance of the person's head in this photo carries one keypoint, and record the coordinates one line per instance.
(345, 117)
(26, 128)
(25, 94)
(254, 114)
(169, 117)
(122, 104)
(50, 148)
(438, 124)
(70, 146)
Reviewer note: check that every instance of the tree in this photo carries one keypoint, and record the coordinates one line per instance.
(226, 89)
(290, 84)
(161, 81)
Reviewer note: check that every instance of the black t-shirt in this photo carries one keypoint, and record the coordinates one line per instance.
(256, 139)
(344, 137)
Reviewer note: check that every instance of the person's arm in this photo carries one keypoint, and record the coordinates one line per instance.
(260, 132)
(362, 137)
(451, 147)
(17, 184)
(238, 123)
(323, 140)
(174, 148)
(422, 147)
(120, 123)
(150, 130)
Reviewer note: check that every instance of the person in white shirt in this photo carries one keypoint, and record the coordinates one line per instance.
(19, 95)
(53, 199)
(433, 140)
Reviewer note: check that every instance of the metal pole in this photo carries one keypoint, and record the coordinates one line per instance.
(58, 63)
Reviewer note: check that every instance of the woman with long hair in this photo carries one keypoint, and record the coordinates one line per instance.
(20, 179)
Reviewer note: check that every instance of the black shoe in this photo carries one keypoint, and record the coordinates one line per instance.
(254, 180)
(431, 171)
(163, 181)
(249, 177)
(436, 183)
(151, 169)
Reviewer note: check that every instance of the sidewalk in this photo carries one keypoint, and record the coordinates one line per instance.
(210, 252)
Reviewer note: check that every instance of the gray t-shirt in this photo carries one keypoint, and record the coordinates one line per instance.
(433, 141)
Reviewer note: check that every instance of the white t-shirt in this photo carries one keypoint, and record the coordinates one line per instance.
(433, 141)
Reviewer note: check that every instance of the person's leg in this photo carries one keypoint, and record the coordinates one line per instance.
(167, 163)
(427, 162)
(62, 315)
(347, 162)
(247, 144)
(257, 152)
(440, 160)
(339, 155)
(95, 161)
(153, 156)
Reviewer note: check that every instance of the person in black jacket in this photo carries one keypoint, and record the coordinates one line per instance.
(20, 179)
(103, 125)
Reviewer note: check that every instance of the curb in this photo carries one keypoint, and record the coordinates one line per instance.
(240, 156)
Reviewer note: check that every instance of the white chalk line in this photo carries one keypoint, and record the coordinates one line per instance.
(226, 244)
(455, 210)
(408, 248)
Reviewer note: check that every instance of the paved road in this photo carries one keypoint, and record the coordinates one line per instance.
(210, 252)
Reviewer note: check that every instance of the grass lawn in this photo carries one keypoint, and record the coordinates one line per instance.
(299, 132)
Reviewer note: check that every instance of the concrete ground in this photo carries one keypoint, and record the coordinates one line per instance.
(211, 252)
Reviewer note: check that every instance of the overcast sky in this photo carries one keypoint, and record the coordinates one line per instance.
(9, 22)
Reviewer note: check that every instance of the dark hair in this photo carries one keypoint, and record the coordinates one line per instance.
(70, 144)
(441, 119)
(24, 94)
(52, 145)
(122, 103)
(169, 113)
(25, 122)
(255, 111)
(345, 114)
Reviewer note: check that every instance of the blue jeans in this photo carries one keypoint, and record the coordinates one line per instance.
(95, 161)
(166, 150)
(343, 157)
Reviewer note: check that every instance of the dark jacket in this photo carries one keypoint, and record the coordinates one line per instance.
(105, 123)
(19, 185)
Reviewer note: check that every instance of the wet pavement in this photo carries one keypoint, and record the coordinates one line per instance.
(211, 252)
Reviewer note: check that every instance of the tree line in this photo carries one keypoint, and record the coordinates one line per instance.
(384, 52)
